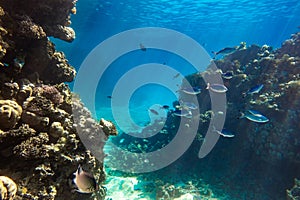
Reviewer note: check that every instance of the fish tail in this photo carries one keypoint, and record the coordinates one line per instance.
(215, 54)
(242, 115)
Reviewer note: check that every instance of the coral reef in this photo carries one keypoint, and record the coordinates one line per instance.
(275, 143)
(40, 147)
(279, 72)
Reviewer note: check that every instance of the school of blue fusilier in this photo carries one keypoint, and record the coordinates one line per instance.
(252, 115)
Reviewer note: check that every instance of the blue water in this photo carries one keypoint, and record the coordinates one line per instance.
(214, 24)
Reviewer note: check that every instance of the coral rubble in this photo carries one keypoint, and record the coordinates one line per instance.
(40, 148)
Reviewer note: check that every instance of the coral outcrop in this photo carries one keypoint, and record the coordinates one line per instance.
(40, 147)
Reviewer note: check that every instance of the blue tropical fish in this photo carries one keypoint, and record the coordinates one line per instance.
(253, 90)
(227, 75)
(254, 116)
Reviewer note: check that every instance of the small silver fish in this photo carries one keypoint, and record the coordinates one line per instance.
(189, 105)
(182, 113)
(226, 133)
(176, 75)
(153, 111)
(142, 47)
(84, 181)
(225, 51)
(191, 90)
(218, 88)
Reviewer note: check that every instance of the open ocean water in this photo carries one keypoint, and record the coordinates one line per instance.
(214, 24)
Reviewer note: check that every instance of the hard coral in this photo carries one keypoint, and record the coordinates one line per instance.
(33, 148)
(50, 92)
(10, 113)
(8, 188)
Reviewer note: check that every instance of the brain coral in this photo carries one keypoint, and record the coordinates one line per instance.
(10, 112)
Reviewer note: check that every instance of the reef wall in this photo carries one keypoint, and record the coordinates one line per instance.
(39, 144)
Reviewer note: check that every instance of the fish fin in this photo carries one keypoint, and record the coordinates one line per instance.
(79, 169)
(80, 191)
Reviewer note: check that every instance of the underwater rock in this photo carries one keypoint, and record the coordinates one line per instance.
(10, 113)
(8, 188)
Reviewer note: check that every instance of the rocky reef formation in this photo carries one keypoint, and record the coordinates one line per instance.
(279, 72)
(274, 144)
(39, 144)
